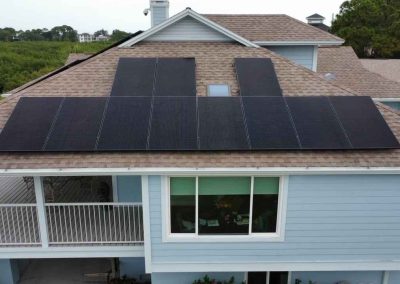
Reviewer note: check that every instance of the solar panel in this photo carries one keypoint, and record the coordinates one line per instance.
(126, 123)
(257, 77)
(175, 77)
(29, 124)
(77, 124)
(363, 123)
(269, 124)
(174, 124)
(221, 124)
(134, 77)
(316, 123)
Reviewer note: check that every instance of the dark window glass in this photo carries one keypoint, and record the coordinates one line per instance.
(183, 204)
(224, 204)
(278, 277)
(265, 204)
(256, 277)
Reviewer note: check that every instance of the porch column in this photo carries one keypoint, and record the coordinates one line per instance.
(41, 211)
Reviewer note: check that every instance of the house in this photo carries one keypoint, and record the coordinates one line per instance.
(193, 148)
(85, 37)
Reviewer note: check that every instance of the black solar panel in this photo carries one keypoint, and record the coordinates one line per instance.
(77, 124)
(174, 124)
(29, 124)
(317, 124)
(175, 77)
(134, 77)
(221, 124)
(126, 123)
(257, 77)
(363, 123)
(269, 124)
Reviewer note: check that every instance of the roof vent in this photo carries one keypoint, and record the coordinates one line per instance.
(330, 76)
(159, 10)
(315, 19)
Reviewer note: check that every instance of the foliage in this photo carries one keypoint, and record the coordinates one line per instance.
(21, 62)
(117, 35)
(59, 33)
(371, 27)
(101, 32)
(208, 280)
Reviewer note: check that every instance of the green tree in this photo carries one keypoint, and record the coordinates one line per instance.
(64, 33)
(371, 27)
(7, 34)
(118, 35)
(101, 32)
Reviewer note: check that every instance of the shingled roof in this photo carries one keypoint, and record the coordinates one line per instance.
(346, 70)
(214, 63)
(273, 28)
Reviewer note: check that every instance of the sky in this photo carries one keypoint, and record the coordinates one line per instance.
(127, 15)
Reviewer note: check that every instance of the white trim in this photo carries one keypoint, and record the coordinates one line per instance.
(317, 42)
(289, 278)
(185, 13)
(146, 223)
(72, 252)
(114, 182)
(279, 236)
(211, 171)
(315, 59)
(386, 277)
(276, 266)
(41, 211)
(394, 100)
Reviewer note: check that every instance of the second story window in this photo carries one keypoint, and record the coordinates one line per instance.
(218, 90)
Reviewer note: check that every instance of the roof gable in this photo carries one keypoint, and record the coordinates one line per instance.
(209, 30)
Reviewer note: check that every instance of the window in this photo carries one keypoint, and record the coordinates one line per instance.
(205, 206)
(267, 278)
(218, 90)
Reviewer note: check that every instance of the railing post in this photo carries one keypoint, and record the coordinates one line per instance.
(41, 210)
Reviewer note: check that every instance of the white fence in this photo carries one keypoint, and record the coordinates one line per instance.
(95, 223)
(19, 225)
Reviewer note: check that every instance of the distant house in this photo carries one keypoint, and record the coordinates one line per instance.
(102, 38)
(204, 145)
(85, 37)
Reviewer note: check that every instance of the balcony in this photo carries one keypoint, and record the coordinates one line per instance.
(66, 212)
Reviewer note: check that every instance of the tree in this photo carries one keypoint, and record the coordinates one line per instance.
(7, 34)
(117, 35)
(101, 32)
(64, 33)
(371, 27)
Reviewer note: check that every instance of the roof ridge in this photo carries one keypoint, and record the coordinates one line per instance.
(314, 28)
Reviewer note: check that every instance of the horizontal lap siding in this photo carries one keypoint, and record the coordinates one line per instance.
(328, 218)
(188, 29)
(302, 55)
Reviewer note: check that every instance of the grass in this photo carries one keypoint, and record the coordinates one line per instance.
(21, 62)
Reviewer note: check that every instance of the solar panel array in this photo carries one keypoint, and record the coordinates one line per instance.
(153, 107)
(190, 123)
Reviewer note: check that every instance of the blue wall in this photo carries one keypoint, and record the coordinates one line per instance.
(129, 188)
(188, 278)
(394, 277)
(355, 218)
(9, 273)
(302, 55)
(132, 267)
(353, 277)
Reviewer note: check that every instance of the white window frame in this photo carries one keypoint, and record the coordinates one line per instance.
(221, 84)
(268, 276)
(278, 236)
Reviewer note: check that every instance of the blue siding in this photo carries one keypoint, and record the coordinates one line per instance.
(329, 218)
(188, 278)
(370, 277)
(129, 189)
(302, 55)
(9, 273)
(394, 277)
(132, 267)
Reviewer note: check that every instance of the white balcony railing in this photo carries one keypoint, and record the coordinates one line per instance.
(19, 225)
(72, 224)
(95, 223)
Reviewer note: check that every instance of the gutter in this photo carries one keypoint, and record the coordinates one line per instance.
(205, 171)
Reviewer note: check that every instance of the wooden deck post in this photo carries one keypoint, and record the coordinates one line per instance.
(41, 210)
